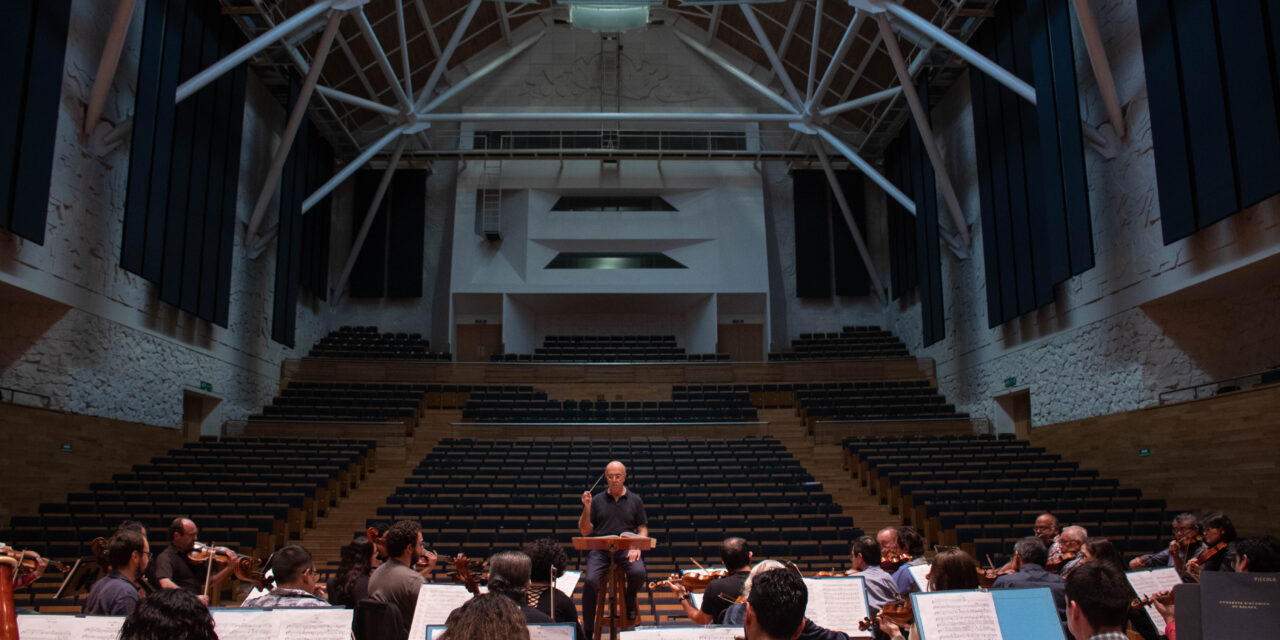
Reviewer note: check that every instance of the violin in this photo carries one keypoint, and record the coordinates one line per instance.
(201, 553)
(692, 580)
(464, 574)
(1055, 565)
(833, 574)
(987, 577)
(1196, 564)
(28, 567)
(891, 562)
(898, 613)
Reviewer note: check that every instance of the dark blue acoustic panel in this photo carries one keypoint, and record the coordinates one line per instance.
(1075, 183)
(812, 227)
(851, 277)
(368, 275)
(1251, 100)
(1168, 120)
(15, 23)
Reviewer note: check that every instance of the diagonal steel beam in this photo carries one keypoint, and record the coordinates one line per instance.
(866, 168)
(380, 55)
(926, 130)
(107, 67)
(342, 96)
(250, 49)
(848, 220)
(430, 28)
(813, 53)
(483, 71)
(736, 72)
(404, 49)
(295, 121)
(504, 22)
(369, 215)
(542, 116)
(778, 68)
(837, 58)
(997, 72)
(361, 160)
(858, 103)
(715, 22)
(443, 63)
(789, 30)
(1101, 67)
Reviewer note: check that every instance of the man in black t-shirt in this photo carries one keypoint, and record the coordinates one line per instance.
(610, 513)
(174, 571)
(721, 592)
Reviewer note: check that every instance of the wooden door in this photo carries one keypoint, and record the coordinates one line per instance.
(476, 342)
(743, 342)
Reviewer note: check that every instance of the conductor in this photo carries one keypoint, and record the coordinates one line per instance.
(610, 513)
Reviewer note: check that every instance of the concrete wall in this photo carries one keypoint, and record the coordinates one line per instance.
(115, 351)
(1113, 339)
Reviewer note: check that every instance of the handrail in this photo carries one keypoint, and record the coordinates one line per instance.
(1194, 392)
(45, 401)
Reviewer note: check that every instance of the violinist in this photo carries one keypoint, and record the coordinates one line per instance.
(395, 582)
(775, 601)
(721, 592)
(549, 561)
(1187, 543)
(911, 545)
(864, 556)
(1098, 596)
(509, 573)
(116, 594)
(1219, 551)
(1029, 556)
(1070, 541)
(297, 584)
(175, 570)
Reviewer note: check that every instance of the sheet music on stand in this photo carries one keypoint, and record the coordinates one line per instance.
(1013, 614)
(536, 631)
(838, 604)
(79, 580)
(435, 603)
(315, 623)
(713, 632)
(919, 573)
(61, 627)
(568, 582)
(1151, 581)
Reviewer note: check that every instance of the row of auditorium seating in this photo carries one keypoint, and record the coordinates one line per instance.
(908, 400)
(533, 406)
(250, 494)
(851, 343)
(604, 355)
(346, 402)
(983, 493)
(475, 494)
(368, 342)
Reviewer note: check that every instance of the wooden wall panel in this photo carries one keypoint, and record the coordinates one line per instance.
(37, 470)
(1216, 453)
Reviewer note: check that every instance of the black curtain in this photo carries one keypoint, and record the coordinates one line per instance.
(813, 225)
(33, 43)
(391, 261)
(1031, 176)
(1213, 77)
(184, 169)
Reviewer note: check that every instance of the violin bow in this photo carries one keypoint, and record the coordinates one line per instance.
(208, 572)
(551, 593)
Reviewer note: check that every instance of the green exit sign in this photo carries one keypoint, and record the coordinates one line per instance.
(206, 386)
(1010, 381)
(66, 447)
(1142, 453)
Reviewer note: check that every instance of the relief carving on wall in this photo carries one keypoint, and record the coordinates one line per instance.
(641, 81)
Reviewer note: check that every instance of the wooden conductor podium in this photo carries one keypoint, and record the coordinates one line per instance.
(615, 581)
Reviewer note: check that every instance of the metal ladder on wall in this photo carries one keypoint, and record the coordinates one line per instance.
(490, 205)
(610, 85)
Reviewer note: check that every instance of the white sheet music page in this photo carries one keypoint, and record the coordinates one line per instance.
(1147, 583)
(435, 603)
(568, 582)
(244, 624)
(838, 604)
(312, 624)
(60, 627)
(550, 632)
(919, 573)
(682, 633)
(958, 615)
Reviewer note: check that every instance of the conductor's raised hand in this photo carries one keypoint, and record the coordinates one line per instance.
(586, 499)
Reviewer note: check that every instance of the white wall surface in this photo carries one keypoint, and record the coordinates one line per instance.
(117, 351)
(1110, 342)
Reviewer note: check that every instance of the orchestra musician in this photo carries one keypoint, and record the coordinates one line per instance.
(549, 562)
(175, 571)
(1029, 556)
(614, 511)
(911, 549)
(775, 598)
(509, 576)
(1187, 543)
(116, 594)
(1070, 541)
(1098, 602)
(297, 584)
(721, 592)
(395, 582)
(1219, 541)
(864, 556)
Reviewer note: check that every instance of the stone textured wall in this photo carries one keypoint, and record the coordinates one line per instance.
(118, 352)
(1111, 341)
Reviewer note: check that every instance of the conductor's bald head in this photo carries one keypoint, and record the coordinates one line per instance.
(615, 473)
